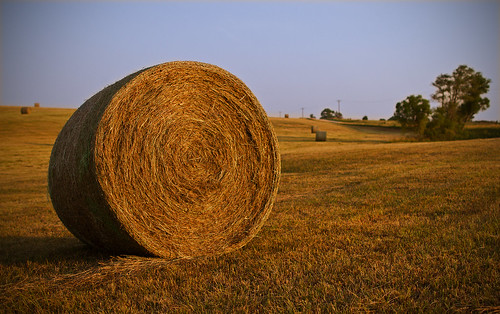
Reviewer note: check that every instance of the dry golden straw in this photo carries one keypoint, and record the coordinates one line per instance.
(320, 136)
(314, 129)
(177, 160)
(25, 110)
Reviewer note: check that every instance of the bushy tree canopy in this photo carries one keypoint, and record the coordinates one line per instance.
(327, 113)
(460, 97)
(413, 112)
(460, 93)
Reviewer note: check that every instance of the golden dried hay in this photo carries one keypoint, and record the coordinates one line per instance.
(176, 160)
(314, 129)
(25, 110)
(320, 136)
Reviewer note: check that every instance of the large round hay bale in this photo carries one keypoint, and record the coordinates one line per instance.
(320, 136)
(176, 160)
(25, 110)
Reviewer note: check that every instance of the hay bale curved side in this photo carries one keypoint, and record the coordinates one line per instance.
(182, 161)
(320, 136)
(73, 186)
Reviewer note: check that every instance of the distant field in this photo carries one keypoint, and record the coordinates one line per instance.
(363, 222)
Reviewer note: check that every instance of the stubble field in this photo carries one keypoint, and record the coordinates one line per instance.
(362, 222)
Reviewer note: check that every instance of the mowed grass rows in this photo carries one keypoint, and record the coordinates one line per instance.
(363, 222)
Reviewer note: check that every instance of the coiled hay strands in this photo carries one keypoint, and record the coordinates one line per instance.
(177, 160)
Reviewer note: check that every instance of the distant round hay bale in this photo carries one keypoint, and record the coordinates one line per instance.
(314, 129)
(287, 116)
(25, 110)
(176, 160)
(320, 136)
(37, 105)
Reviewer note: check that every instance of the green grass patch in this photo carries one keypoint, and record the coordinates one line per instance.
(482, 132)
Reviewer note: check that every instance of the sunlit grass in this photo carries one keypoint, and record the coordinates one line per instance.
(362, 223)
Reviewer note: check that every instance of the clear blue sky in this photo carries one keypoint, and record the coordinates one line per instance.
(368, 54)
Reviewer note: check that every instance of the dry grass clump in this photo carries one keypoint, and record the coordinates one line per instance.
(25, 110)
(176, 160)
(320, 136)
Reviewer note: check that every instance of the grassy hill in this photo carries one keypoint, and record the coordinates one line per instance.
(363, 222)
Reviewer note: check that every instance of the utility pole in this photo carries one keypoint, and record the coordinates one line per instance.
(302, 112)
(338, 101)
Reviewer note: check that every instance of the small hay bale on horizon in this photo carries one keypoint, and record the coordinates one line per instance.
(320, 136)
(177, 160)
(25, 110)
(287, 116)
(37, 105)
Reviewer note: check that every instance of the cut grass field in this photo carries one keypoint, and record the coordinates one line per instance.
(363, 222)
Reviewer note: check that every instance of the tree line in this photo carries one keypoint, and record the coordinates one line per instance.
(460, 97)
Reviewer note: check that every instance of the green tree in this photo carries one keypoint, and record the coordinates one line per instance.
(365, 118)
(327, 113)
(413, 113)
(460, 96)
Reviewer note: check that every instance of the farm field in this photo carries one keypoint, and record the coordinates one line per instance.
(363, 222)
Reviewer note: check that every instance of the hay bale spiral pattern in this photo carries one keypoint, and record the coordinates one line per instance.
(176, 160)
